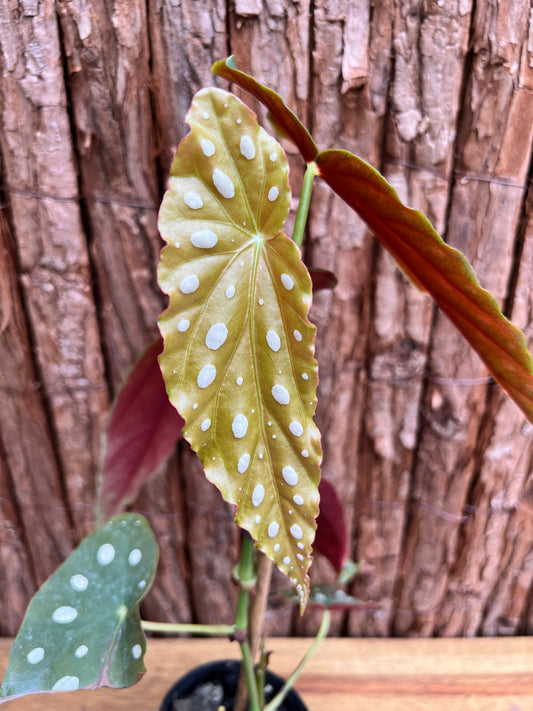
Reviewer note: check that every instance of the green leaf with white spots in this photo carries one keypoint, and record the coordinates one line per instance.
(238, 360)
(82, 628)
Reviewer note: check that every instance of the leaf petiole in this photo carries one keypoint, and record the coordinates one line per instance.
(322, 634)
(195, 629)
(305, 201)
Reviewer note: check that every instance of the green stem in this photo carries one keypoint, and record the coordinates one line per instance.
(178, 628)
(322, 633)
(303, 205)
(251, 681)
(246, 579)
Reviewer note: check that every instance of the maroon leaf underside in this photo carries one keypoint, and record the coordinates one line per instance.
(143, 429)
(322, 278)
(331, 538)
(438, 269)
(431, 265)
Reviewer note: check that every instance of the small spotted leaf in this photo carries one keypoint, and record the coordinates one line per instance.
(332, 598)
(238, 359)
(82, 628)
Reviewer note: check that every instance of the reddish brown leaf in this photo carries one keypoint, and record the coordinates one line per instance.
(331, 538)
(430, 264)
(437, 268)
(142, 431)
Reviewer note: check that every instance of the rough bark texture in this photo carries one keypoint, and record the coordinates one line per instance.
(432, 462)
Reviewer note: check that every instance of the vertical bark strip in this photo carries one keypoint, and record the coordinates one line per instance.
(40, 176)
(433, 465)
(35, 532)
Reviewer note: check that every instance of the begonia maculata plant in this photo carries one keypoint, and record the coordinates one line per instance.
(235, 376)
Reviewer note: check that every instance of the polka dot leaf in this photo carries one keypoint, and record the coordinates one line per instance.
(82, 628)
(239, 349)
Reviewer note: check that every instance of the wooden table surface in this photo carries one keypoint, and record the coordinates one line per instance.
(344, 675)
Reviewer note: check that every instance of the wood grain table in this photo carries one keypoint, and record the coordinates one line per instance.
(344, 675)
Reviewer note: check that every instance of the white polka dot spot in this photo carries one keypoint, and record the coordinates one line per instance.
(223, 183)
(273, 157)
(258, 520)
(66, 683)
(305, 376)
(276, 548)
(105, 554)
(300, 546)
(287, 281)
(205, 115)
(298, 500)
(189, 284)
(206, 424)
(136, 651)
(296, 428)
(239, 380)
(35, 656)
(247, 147)
(286, 560)
(183, 325)
(65, 614)
(208, 147)
(206, 376)
(244, 463)
(81, 651)
(296, 531)
(79, 582)
(290, 476)
(239, 426)
(273, 529)
(273, 340)
(134, 557)
(297, 335)
(281, 395)
(273, 194)
(141, 584)
(230, 292)
(258, 495)
(193, 200)
(216, 336)
(305, 453)
(204, 239)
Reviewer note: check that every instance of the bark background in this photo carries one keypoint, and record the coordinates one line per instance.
(433, 464)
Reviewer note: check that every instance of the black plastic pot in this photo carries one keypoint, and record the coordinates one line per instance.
(212, 686)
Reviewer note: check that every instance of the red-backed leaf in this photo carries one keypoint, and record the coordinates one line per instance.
(322, 279)
(437, 268)
(285, 122)
(331, 538)
(143, 429)
(238, 359)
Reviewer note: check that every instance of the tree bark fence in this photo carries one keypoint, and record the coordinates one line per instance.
(433, 464)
